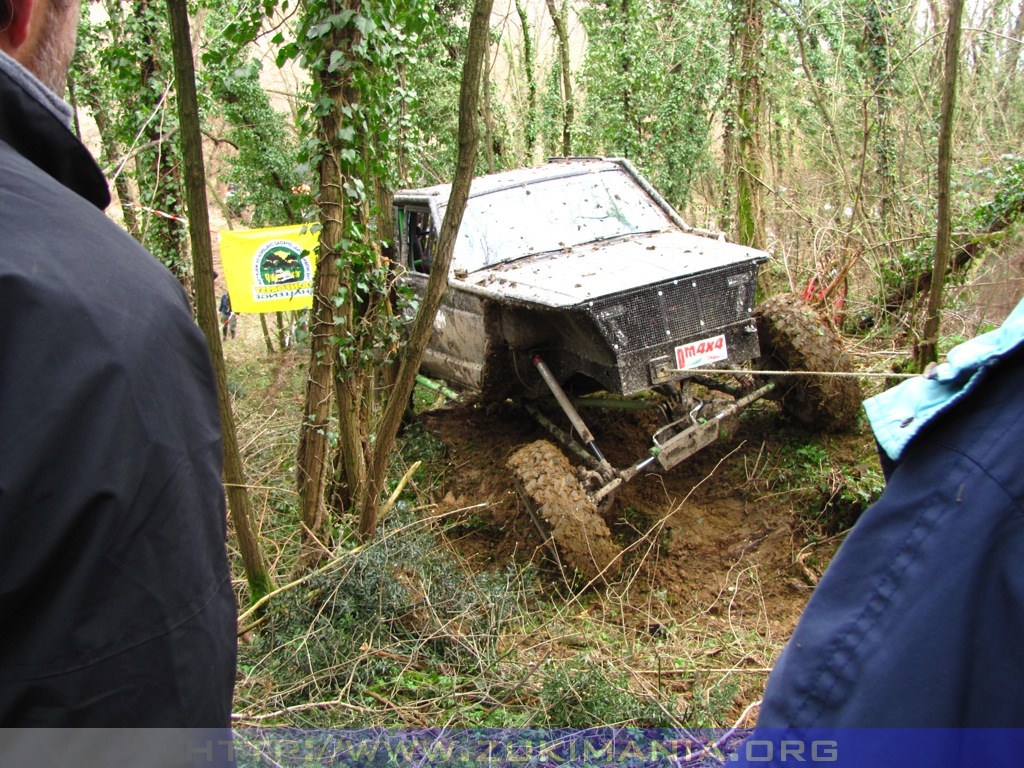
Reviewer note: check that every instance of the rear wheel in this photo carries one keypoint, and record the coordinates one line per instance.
(793, 338)
(547, 484)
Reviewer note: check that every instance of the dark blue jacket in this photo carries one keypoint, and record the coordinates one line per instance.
(919, 619)
(116, 605)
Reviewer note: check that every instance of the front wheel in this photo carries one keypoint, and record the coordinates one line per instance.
(793, 338)
(546, 482)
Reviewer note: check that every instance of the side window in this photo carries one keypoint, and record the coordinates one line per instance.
(417, 239)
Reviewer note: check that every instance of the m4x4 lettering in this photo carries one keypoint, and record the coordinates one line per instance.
(702, 352)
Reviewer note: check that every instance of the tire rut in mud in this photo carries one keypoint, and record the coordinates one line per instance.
(546, 481)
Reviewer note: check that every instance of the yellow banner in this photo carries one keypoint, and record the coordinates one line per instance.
(271, 269)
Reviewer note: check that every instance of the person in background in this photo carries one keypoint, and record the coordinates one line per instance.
(116, 603)
(228, 319)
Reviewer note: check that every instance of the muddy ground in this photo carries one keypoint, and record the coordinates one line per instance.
(716, 534)
(720, 553)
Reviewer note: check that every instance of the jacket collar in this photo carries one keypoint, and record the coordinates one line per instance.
(34, 123)
(897, 415)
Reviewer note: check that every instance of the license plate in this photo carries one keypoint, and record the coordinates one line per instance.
(703, 352)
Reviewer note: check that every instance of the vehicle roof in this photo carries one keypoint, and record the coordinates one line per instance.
(556, 168)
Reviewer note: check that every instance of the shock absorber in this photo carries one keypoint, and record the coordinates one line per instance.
(570, 410)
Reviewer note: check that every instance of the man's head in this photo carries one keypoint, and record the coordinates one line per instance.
(40, 35)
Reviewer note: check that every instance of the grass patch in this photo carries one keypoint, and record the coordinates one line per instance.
(830, 480)
(401, 623)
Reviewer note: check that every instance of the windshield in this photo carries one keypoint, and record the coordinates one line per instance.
(551, 215)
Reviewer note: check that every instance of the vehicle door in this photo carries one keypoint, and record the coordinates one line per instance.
(456, 350)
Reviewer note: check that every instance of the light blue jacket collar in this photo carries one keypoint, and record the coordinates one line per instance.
(898, 414)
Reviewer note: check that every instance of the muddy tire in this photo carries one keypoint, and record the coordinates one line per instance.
(546, 481)
(793, 338)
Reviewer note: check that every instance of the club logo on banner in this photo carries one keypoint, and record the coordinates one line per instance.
(271, 269)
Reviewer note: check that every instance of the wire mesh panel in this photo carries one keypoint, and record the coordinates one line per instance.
(678, 310)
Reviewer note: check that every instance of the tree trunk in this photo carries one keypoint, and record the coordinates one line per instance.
(282, 335)
(568, 110)
(313, 455)
(266, 334)
(626, 66)
(260, 582)
(749, 168)
(488, 115)
(166, 235)
(926, 350)
(1012, 59)
(530, 120)
(968, 247)
(348, 482)
(109, 154)
(479, 30)
(877, 24)
(726, 192)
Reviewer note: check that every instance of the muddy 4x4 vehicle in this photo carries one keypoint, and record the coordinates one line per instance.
(578, 277)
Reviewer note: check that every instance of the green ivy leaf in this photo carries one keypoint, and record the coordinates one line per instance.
(317, 31)
(365, 25)
(341, 20)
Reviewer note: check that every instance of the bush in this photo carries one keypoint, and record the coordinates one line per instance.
(391, 617)
(581, 693)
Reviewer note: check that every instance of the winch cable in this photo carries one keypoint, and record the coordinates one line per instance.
(834, 374)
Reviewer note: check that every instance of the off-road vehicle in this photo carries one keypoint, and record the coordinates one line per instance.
(578, 277)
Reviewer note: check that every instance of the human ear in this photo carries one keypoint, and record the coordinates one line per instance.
(14, 23)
